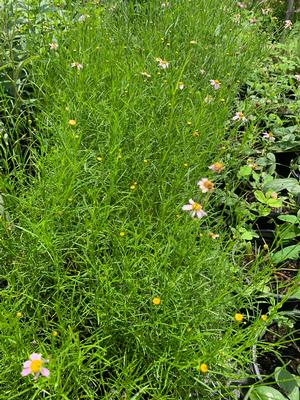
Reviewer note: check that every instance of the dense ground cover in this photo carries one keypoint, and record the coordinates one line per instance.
(102, 271)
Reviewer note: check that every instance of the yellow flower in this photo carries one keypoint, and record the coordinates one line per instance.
(99, 158)
(156, 301)
(238, 317)
(264, 317)
(203, 368)
(193, 42)
(122, 234)
(72, 122)
(195, 134)
(19, 314)
(133, 186)
(55, 333)
(146, 161)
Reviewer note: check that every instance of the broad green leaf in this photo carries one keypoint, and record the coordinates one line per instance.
(265, 393)
(290, 184)
(289, 218)
(260, 196)
(244, 172)
(275, 203)
(247, 235)
(287, 382)
(288, 253)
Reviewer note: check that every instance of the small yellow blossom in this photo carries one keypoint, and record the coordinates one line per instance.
(189, 123)
(19, 314)
(203, 368)
(193, 42)
(265, 246)
(264, 317)
(156, 301)
(146, 161)
(195, 134)
(122, 233)
(55, 334)
(133, 186)
(238, 317)
(185, 165)
(72, 122)
(99, 158)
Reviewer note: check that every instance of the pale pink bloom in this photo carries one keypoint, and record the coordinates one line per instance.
(239, 116)
(53, 46)
(195, 209)
(297, 77)
(253, 20)
(35, 366)
(288, 24)
(216, 167)
(162, 63)
(215, 83)
(205, 185)
(269, 136)
(241, 5)
(77, 65)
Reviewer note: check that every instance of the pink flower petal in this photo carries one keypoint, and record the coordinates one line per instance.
(187, 207)
(35, 356)
(27, 364)
(25, 371)
(45, 372)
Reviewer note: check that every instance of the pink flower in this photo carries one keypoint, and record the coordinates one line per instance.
(205, 185)
(195, 209)
(215, 83)
(241, 5)
(216, 167)
(297, 77)
(77, 65)
(53, 46)
(288, 24)
(162, 63)
(239, 116)
(269, 136)
(35, 366)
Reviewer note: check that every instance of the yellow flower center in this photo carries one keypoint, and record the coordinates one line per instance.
(218, 166)
(36, 365)
(208, 185)
(217, 82)
(241, 115)
(239, 317)
(196, 207)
